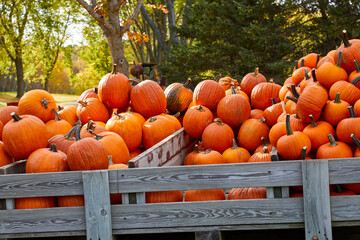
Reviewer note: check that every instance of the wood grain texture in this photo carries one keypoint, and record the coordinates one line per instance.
(316, 199)
(14, 168)
(344, 170)
(97, 204)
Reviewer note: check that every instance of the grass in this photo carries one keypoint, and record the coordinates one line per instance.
(7, 97)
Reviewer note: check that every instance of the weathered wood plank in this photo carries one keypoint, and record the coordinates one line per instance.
(125, 198)
(344, 170)
(14, 168)
(270, 193)
(316, 199)
(285, 193)
(10, 203)
(44, 234)
(140, 198)
(97, 204)
(345, 208)
(209, 235)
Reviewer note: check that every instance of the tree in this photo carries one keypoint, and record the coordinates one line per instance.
(107, 14)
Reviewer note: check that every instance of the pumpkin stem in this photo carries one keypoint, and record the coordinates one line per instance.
(302, 63)
(97, 137)
(264, 141)
(44, 103)
(303, 153)
(337, 98)
(313, 123)
(90, 126)
(110, 160)
(256, 72)
(70, 134)
(313, 74)
(307, 77)
(217, 78)
(96, 89)
(292, 99)
(53, 147)
(305, 52)
(200, 108)
(357, 65)
(78, 123)
(83, 103)
(188, 83)
(219, 122)
(119, 115)
(233, 90)
(15, 116)
(345, 39)
(296, 65)
(152, 119)
(262, 120)
(338, 188)
(60, 108)
(271, 80)
(339, 59)
(196, 148)
(77, 133)
(294, 92)
(296, 116)
(207, 151)
(352, 113)
(288, 127)
(114, 69)
(234, 146)
(57, 117)
(355, 81)
(332, 140)
(176, 115)
(265, 150)
(317, 60)
(273, 101)
(356, 140)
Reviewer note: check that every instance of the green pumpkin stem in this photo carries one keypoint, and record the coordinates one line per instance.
(188, 83)
(264, 141)
(307, 77)
(53, 147)
(234, 146)
(233, 90)
(313, 123)
(337, 98)
(217, 78)
(97, 137)
(119, 115)
(313, 74)
(273, 101)
(345, 39)
(332, 140)
(200, 108)
(296, 64)
(357, 65)
(355, 81)
(292, 99)
(302, 63)
(317, 60)
(352, 113)
(207, 151)
(77, 132)
(70, 134)
(294, 92)
(219, 122)
(303, 153)
(356, 140)
(265, 150)
(57, 117)
(339, 59)
(15, 116)
(44, 103)
(288, 127)
(114, 69)
(256, 72)
(152, 119)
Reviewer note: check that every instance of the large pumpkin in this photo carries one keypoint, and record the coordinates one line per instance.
(38, 103)
(262, 94)
(178, 96)
(329, 73)
(348, 91)
(156, 129)
(204, 195)
(334, 149)
(336, 110)
(208, 93)
(90, 93)
(114, 89)
(350, 50)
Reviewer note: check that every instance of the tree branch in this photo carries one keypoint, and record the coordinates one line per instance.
(96, 16)
(132, 17)
(171, 20)
(2, 42)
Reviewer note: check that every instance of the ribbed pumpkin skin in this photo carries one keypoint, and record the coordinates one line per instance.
(35, 202)
(346, 127)
(165, 196)
(69, 114)
(299, 74)
(333, 112)
(319, 134)
(262, 93)
(23, 137)
(44, 160)
(5, 113)
(328, 74)
(309, 60)
(114, 90)
(62, 142)
(272, 113)
(233, 110)
(84, 133)
(342, 150)
(92, 108)
(217, 136)
(178, 97)
(148, 98)
(135, 153)
(189, 159)
(115, 198)
(71, 201)
(5, 159)
(349, 54)
(326, 59)
(31, 104)
(257, 114)
(290, 146)
(348, 92)
(250, 80)
(208, 93)
(204, 195)
(209, 157)
(128, 127)
(236, 155)
(87, 154)
(260, 157)
(356, 108)
(156, 129)
(250, 134)
(247, 193)
(200, 115)
(1, 129)
(55, 127)
(277, 131)
(296, 123)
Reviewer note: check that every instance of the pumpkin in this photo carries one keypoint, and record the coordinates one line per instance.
(217, 136)
(296, 123)
(348, 91)
(92, 108)
(68, 113)
(1, 129)
(233, 109)
(309, 60)
(24, 135)
(277, 131)
(200, 115)
(336, 110)
(57, 126)
(63, 142)
(265, 143)
(128, 127)
(311, 101)
(164, 196)
(341, 192)
(204, 195)
(356, 108)
(250, 133)
(257, 114)
(290, 107)
(91, 127)
(262, 93)
(38, 103)
(348, 126)
(178, 96)
(290, 145)
(247, 193)
(46, 160)
(189, 158)
(208, 93)
(148, 98)
(272, 113)
(156, 129)
(299, 74)
(318, 133)
(228, 82)
(172, 119)
(237, 91)
(209, 157)
(334, 149)
(236, 154)
(90, 93)
(354, 74)
(135, 153)
(71, 201)
(329, 73)
(115, 198)
(326, 59)
(263, 156)
(350, 50)
(87, 154)
(114, 89)
(313, 80)
(5, 159)
(35, 202)
(5, 116)
(138, 116)
(250, 80)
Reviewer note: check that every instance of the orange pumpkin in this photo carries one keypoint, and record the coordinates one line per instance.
(68, 113)
(63, 142)
(329, 73)
(57, 126)
(354, 74)
(135, 153)
(209, 157)
(350, 50)
(236, 154)
(189, 159)
(250, 133)
(250, 80)
(262, 93)
(299, 74)
(164, 196)
(92, 108)
(263, 156)
(71, 201)
(204, 195)
(90, 93)
(257, 114)
(200, 115)
(237, 91)
(348, 126)
(265, 143)
(217, 136)
(5, 159)
(336, 110)
(35, 202)
(228, 82)
(334, 149)
(208, 93)
(178, 96)
(348, 91)
(272, 113)
(309, 60)
(5, 112)
(247, 193)
(277, 131)
(156, 129)
(91, 127)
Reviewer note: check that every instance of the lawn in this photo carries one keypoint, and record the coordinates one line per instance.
(6, 97)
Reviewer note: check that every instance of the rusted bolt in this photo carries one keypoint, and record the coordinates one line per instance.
(315, 237)
(103, 212)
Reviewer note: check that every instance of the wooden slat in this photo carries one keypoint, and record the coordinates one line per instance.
(97, 204)
(344, 170)
(140, 198)
(285, 192)
(14, 168)
(316, 199)
(345, 208)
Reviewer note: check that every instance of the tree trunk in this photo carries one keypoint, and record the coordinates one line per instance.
(171, 19)
(46, 81)
(19, 75)
(117, 52)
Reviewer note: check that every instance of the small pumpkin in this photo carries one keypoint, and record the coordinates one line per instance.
(209, 157)
(247, 193)
(299, 74)
(250, 133)
(237, 91)
(63, 142)
(189, 159)
(236, 154)
(68, 113)
(200, 115)
(89, 127)
(309, 60)
(57, 126)
(334, 149)
(92, 108)
(5, 159)
(262, 93)
(90, 93)
(348, 126)
(250, 80)
(265, 143)
(228, 82)
(156, 129)
(348, 91)
(354, 74)
(263, 156)
(336, 110)
(178, 96)
(217, 136)
(272, 113)
(135, 153)
(329, 73)
(257, 114)
(5, 112)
